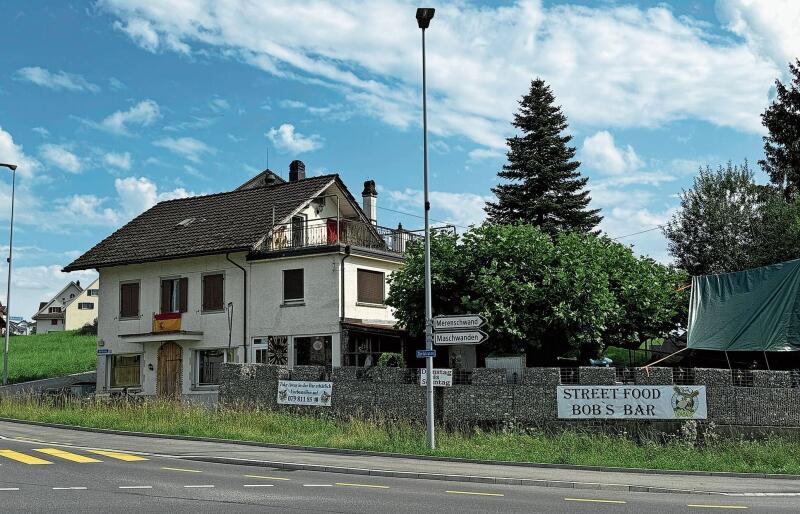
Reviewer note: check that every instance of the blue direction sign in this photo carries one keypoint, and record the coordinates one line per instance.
(424, 354)
(103, 351)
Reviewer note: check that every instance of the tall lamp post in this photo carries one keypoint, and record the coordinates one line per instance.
(424, 17)
(13, 168)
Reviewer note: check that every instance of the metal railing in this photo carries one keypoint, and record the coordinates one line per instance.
(336, 231)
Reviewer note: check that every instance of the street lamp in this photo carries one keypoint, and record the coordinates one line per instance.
(13, 168)
(424, 17)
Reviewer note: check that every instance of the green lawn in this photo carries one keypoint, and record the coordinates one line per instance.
(773, 455)
(50, 355)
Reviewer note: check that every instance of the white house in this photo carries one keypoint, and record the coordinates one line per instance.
(52, 315)
(286, 272)
(83, 309)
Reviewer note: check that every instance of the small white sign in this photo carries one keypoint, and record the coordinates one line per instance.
(458, 322)
(292, 392)
(441, 377)
(632, 402)
(468, 337)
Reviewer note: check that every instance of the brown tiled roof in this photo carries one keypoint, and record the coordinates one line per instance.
(223, 222)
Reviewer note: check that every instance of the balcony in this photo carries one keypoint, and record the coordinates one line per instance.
(302, 233)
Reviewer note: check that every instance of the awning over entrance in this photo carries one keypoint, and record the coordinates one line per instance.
(363, 343)
(162, 337)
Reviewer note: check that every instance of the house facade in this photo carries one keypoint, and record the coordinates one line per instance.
(82, 310)
(51, 316)
(284, 272)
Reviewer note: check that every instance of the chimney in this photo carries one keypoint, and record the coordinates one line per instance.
(370, 201)
(297, 171)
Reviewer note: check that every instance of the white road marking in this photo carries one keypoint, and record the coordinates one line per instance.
(259, 485)
(136, 487)
(69, 489)
(317, 485)
(9, 488)
(198, 486)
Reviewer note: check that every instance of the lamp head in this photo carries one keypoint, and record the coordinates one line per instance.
(424, 16)
(12, 167)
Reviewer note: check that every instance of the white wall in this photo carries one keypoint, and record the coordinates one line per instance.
(75, 318)
(368, 313)
(45, 325)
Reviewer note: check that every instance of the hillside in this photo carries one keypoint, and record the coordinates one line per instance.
(50, 355)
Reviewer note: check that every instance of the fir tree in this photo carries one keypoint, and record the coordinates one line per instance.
(545, 188)
(782, 145)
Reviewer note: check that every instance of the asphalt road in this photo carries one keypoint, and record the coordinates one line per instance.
(49, 476)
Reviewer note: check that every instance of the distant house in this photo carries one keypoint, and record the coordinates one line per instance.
(83, 309)
(21, 328)
(51, 316)
(3, 316)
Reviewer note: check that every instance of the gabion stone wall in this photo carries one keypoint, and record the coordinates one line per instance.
(768, 400)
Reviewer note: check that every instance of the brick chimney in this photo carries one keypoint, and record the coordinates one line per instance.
(370, 201)
(297, 171)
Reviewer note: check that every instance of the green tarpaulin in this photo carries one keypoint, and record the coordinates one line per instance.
(751, 310)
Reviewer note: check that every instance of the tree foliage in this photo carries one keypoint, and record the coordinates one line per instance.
(782, 144)
(727, 222)
(545, 188)
(569, 295)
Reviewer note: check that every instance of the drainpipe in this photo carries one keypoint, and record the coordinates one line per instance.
(346, 255)
(244, 311)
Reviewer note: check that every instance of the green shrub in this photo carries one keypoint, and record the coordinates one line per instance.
(391, 360)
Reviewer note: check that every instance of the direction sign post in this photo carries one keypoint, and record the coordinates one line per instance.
(459, 322)
(466, 337)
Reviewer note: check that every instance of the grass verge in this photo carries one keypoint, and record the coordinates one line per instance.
(50, 355)
(772, 455)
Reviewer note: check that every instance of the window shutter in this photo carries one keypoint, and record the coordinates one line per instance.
(213, 292)
(166, 295)
(129, 300)
(183, 295)
(292, 284)
(370, 286)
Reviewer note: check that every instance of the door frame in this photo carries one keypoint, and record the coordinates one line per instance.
(178, 378)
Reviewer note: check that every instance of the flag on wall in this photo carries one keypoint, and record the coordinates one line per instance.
(167, 322)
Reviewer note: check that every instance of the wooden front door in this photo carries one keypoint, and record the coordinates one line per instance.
(168, 383)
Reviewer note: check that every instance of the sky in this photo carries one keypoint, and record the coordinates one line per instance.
(110, 106)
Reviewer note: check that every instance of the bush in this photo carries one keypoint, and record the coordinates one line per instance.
(391, 360)
(89, 329)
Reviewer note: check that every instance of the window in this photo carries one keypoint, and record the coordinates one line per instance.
(298, 230)
(126, 370)
(370, 286)
(213, 293)
(85, 306)
(54, 322)
(129, 300)
(293, 286)
(92, 292)
(208, 365)
(174, 294)
(72, 296)
(313, 351)
(271, 350)
(54, 310)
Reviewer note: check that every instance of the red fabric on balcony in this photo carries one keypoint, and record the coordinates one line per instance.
(167, 315)
(333, 232)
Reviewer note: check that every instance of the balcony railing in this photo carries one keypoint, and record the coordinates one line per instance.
(336, 231)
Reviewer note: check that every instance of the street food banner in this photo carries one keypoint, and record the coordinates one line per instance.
(632, 402)
(291, 392)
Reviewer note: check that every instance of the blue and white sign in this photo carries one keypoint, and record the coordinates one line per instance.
(103, 351)
(424, 354)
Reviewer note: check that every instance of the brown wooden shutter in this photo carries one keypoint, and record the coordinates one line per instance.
(292, 284)
(183, 295)
(213, 297)
(129, 300)
(166, 295)
(370, 286)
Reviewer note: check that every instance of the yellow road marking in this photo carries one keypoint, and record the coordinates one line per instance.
(592, 500)
(61, 454)
(702, 506)
(127, 457)
(184, 470)
(21, 457)
(475, 494)
(345, 484)
(266, 478)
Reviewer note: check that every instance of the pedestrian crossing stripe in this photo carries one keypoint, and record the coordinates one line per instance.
(61, 454)
(21, 457)
(127, 457)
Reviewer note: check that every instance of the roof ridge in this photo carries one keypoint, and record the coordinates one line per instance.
(282, 184)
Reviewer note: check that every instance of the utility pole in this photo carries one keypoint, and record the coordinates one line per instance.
(424, 16)
(13, 168)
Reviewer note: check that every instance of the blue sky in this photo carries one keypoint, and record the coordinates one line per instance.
(111, 106)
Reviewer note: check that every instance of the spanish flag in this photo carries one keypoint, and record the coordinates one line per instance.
(167, 322)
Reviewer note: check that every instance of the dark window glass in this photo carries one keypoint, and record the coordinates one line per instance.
(209, 364)
(370, 286)
(126, 370)
(313, 351)
(293, 285)
(213, 296)
(129, 300)
(174, 294)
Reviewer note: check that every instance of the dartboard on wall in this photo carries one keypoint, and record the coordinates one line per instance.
(278, 350)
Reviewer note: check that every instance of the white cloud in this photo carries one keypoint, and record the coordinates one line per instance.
(122, 161)
(137, 194)
(219, 104)
(12, 153)
(486, 153)
(602, 154)
(41, 131)
(59, 80)
(461, 209)
(143, 114)
(286, 139)
(61, 157)
(610, 66)
(187, 147)
(330, 112)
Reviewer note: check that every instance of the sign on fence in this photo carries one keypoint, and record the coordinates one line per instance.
(441, 377)
(292, 392)
(632, 402)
